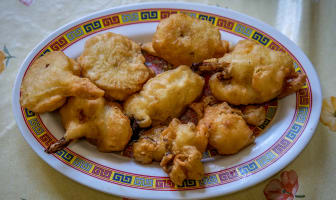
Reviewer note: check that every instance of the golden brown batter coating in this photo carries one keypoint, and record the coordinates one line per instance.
(99, 121)
(164, 96)
(200, 106)
(293, 83)
(228, 132)
(223, 49)
(255, 74)
(183, 40)
(184, 165)
(179, 147)
(254, 115)
(179, 135)
(185, 144)
(51, 79)
(150, 146)
(115, 64)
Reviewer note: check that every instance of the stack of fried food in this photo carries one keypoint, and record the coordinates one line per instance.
(108, 93)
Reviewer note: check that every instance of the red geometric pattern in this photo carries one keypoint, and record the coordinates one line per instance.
(111, 21)
(58, 44)
(225, 23)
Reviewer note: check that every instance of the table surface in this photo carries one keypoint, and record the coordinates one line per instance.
(24, 23)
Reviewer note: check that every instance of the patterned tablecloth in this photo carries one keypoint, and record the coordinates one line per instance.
(24, 23)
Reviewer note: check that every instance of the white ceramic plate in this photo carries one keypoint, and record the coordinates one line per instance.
(291, 121)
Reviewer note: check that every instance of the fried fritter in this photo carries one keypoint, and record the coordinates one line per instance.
(199, 107)
(184, 148)
(195, 111)
(184, 165)
(183, 40)
(164, 96)
(179, 135)
(293, 83)
(150, 146)
(254, 74)
(179, 147)
(223, 49)
(51, 79)
(99, 121)
(212, 65)
(254, 115)
(228, 132)
(115, 64)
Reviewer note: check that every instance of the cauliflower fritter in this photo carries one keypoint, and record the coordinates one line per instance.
(164, 96)
(185, 144)
(293, 83)
(254, 115)
(223, 49)
(199, 107)
(184, 165)
(183, 40)
(51, 79)
(99, 121)
(150, 146)
(228, 132)
(179, 147)
(115, 64)
(179, 135)
(254, 74)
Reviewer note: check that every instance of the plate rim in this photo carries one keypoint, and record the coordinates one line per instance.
(197, 7)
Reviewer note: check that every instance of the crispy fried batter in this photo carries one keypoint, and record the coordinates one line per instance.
(179, 147)
(179, 135)
(294, 82)
(254, 115)
(97, 120)
(150, 146)
(223, 49)
(184, 165)
(228, 132)
(58, 145)
(256, 74)
(183, 40)
(199, 107)
(164, 96)
(213, 65)
(51, 79)
(115, 64)
(185, 144)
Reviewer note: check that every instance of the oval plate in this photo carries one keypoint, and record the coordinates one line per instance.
(291, 128)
